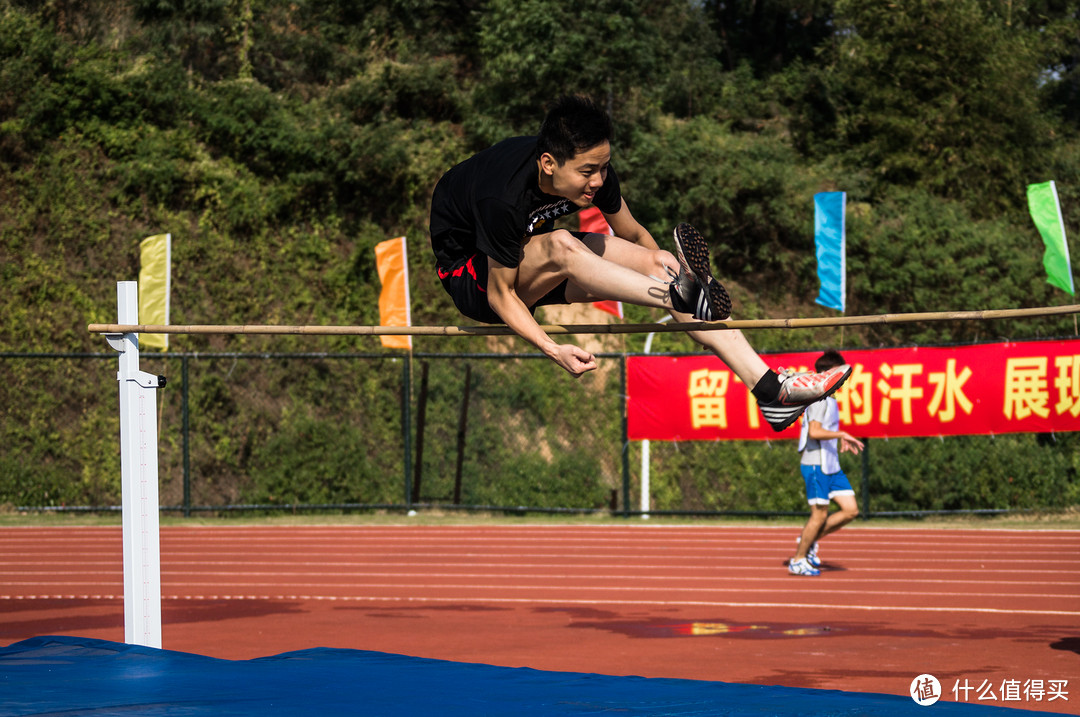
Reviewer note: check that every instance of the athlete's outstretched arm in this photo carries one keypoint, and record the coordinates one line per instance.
(625, 226)
(504, 299)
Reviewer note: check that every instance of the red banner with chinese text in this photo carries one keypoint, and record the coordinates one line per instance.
(1026, 387)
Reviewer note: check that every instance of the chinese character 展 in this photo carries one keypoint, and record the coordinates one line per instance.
(905, 393)
(949, 392)
(1025, 388)
(707, 391)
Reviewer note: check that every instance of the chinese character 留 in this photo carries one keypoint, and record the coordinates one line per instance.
(708, 390)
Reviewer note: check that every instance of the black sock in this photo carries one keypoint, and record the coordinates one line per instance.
(767, 388)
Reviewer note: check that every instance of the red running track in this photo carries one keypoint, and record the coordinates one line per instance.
(997, 611)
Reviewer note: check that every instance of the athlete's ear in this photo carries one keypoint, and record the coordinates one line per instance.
(548, 163)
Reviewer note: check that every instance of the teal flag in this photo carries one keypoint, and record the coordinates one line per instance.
(831, 247)
(1046, 212)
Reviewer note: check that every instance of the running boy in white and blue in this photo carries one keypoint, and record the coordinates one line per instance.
(820, 446)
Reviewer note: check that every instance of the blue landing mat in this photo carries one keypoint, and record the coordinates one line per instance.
(77, 677)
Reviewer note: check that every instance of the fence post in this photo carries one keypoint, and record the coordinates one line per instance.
(463, 419)
(406, 421)
(186, 433)
(865, 512)
(421, 420)
(625, 438)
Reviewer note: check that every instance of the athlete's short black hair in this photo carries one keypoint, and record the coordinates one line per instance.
(829, 359)
(573, 124)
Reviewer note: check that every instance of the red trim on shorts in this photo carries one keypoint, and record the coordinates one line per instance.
(443, 273)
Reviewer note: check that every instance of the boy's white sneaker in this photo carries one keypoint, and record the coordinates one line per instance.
(802, 567)
(811, 554)
(798, 390)
(806, 388)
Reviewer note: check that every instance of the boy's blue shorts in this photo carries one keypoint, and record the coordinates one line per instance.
(823, 487)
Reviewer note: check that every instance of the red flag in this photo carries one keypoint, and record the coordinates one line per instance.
(612, 307)
(591, 220)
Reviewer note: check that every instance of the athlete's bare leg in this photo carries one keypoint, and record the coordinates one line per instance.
(549, 259)
(730, 346)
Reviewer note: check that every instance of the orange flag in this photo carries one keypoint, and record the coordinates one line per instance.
(591, 220)
(391, 259)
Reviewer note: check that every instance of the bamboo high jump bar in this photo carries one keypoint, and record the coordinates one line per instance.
(559, 329)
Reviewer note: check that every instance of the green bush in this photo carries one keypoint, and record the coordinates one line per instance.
(278, 142)
(321, 462)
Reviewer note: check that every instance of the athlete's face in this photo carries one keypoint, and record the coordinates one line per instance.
(580, 177)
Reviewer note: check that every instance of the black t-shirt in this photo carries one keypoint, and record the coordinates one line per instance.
(491, 201)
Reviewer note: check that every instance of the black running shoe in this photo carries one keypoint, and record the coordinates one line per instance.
(710, 301)
(780, 416)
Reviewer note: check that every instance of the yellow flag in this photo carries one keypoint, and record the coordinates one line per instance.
(391, 260)
(155, 258)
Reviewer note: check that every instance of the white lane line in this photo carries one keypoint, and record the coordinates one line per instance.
(61, 597)
(1011, 541)
(645, 589)
(1006, 542)
(864, 573)
(707, 557)
(574, 589)
(542, 601)
(527, 531)
(837, 585)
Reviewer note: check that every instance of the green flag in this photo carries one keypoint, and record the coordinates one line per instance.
(1046, 211)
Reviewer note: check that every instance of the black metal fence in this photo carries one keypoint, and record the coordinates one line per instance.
(305, 432)
(344, 431)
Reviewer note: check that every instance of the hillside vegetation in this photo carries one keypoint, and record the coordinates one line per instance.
(280, 141)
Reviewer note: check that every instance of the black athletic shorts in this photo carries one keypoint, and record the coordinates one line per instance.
(466, 283)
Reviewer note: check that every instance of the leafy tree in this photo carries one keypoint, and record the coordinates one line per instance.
(535, 50)
(280, 140)
(692, 81)
(1057, 24)
(942, 94)
(914, 252)
(769, 34)
(745, 191)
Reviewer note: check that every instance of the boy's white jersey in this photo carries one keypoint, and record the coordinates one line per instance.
(821, 453)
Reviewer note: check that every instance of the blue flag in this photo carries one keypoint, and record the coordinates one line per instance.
(830, 244)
